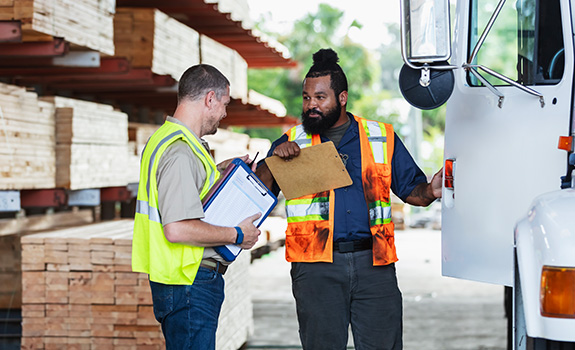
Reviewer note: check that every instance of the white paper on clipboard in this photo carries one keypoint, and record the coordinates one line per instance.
(240, 195)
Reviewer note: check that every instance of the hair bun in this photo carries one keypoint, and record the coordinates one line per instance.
(325, 58)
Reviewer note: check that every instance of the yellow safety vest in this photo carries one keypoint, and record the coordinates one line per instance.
(152, 253)
(309, 235)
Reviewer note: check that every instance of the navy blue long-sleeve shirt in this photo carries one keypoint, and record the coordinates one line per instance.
(351, 221)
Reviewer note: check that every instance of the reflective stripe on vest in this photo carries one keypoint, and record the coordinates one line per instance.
(379, 213)
(307, 209)
(376, 135)
(153, 214)
(298, 135)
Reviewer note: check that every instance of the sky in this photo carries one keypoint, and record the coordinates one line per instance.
(284, 13)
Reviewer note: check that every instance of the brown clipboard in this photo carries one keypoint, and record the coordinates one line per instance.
(317, 168)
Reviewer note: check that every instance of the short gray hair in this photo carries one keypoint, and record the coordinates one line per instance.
(200, 79)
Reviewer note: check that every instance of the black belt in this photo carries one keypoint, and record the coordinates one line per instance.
(215, 265)
(352, 246)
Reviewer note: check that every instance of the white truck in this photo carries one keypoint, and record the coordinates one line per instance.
(508, 206)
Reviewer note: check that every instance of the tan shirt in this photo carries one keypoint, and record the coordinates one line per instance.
(181, 176)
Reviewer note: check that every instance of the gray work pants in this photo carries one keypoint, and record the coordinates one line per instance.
(331, 296)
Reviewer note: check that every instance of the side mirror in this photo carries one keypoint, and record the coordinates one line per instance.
(426, 80)
(426, 30)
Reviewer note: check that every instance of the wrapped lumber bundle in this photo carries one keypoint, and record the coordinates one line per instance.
(27, 154)
(91, 145)
(229, 62)
(78, 290)
(86, 23)
(151, 39)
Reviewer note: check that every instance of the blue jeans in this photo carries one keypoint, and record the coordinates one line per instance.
(189, 313)
(331, 296)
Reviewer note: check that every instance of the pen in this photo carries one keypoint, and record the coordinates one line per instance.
(252, 162)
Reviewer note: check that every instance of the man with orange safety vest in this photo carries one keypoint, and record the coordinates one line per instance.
(341, 242)
(171, 243)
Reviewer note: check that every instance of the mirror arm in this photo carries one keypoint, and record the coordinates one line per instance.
(510, 81)
(484, 81)
(486, 31)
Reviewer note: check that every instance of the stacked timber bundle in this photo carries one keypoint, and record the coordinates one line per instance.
(151, 39)
(91, 145)
(78, 291)
(139, 133)
(27, 155)
(227, 144)
(86, 23)
(230, 63)
(11, 231)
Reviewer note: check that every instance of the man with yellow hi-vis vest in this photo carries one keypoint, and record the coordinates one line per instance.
(341, 242)
(170, 242)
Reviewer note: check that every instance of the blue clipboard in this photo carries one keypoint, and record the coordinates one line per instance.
(238, 193)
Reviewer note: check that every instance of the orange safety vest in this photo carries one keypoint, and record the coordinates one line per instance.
(309, 235)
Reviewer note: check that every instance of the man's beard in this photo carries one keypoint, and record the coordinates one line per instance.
(318, 125)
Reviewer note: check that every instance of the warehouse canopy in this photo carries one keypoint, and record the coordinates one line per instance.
(226, 22)
(141, 77)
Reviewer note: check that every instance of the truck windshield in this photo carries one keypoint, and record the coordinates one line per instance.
(525, 43)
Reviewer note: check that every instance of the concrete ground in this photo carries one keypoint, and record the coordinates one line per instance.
(440, 313)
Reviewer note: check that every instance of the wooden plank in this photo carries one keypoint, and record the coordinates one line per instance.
(27, 155)
(87, 23)
(229, 62)
(152, 39)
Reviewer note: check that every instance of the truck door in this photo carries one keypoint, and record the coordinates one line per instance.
(502, 140)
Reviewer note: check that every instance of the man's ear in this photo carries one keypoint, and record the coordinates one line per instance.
(209, 98)
(343, 98)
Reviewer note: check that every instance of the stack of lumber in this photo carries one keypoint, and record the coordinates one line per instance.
(138, 134)
(78, 292)
(27, 156)
(226, 144)
(86, 23)
(91, 145)
(229, 62)
(151, 39)
(11, 231)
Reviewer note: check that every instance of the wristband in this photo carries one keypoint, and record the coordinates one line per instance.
(240, 237)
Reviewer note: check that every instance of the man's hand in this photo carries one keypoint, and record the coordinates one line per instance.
(224, 164)
(287, 150)
(437, 183)
(426, 193)
(251, 233)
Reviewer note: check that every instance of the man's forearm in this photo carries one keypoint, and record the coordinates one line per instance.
(265, 175)
(422, 195)
(199, 233)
